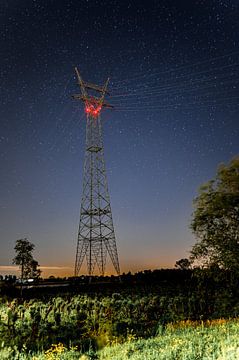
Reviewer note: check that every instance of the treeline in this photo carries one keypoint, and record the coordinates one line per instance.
(210, 282)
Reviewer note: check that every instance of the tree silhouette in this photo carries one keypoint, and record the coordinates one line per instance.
(216, 219)
(183, 264)
(24, 259)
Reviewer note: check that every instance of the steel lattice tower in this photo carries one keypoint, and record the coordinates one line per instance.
(96, 236)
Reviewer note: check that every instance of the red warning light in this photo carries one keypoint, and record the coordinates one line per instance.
(92, 110)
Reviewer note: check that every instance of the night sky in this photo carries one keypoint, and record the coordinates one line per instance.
(174, 82)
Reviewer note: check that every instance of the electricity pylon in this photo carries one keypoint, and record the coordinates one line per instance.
(96, 236)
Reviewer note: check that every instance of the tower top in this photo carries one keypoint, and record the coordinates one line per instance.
(93, 104)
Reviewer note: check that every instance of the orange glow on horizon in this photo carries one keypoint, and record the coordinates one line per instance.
(68, 271)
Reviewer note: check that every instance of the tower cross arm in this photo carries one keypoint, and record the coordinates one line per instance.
(92, 100)
(107, 105)
(96, 88)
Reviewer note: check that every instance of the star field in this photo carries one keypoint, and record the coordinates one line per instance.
(174, 78)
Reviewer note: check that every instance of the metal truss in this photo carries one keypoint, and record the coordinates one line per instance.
(96, 236)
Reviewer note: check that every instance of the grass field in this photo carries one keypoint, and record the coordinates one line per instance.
(214, 340)
(217, 340)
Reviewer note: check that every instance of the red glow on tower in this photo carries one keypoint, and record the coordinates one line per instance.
(93, 104)
(93, 110)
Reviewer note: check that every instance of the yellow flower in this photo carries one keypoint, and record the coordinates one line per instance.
(84, 357)
(54, 351)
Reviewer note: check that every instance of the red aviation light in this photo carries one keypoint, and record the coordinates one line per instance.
(91, 110)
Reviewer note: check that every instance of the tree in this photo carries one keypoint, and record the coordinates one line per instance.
(183, 264)
(34, 271)
(216, 219)
(24, 259)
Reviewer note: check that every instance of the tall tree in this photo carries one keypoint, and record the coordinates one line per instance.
(216, 219)
(24, 259)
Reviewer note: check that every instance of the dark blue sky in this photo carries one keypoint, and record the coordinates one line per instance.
(174, 70)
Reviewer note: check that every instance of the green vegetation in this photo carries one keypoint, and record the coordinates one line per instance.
(93, 322)
(211, 340)
(216, 220)
(85, 321)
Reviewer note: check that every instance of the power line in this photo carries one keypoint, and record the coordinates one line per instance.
(152, 73)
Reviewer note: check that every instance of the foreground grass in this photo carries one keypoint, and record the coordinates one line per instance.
(218, 340)
(211, 340)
